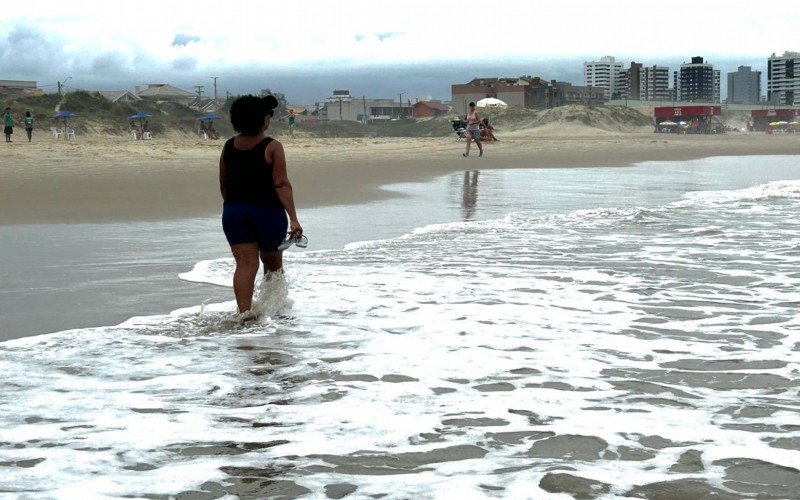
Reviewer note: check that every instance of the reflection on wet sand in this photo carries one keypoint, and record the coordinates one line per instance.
(469, 194)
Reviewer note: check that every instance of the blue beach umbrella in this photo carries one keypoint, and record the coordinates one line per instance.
(65, 115)
(208, 118)
(140, 116)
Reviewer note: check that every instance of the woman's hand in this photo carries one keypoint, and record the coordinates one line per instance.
(295, 229)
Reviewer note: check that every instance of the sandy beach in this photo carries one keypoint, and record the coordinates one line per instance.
(99, 179)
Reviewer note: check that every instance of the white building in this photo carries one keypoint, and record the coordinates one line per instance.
(783, 79)
(341, 106)
(605, 73)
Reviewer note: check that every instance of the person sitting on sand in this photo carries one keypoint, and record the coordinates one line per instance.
(257, 197)
(473, 131)
(487, 131)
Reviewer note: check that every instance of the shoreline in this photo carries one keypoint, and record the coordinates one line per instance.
(96, 180)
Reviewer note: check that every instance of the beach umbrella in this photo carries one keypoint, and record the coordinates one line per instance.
(774, 124)
(65, 115)
(208, 118)
(667, 124)
(491, 102)
(141, 117)
(782, 123)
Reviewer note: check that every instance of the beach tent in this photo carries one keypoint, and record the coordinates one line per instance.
(66, 115)
(491, 102)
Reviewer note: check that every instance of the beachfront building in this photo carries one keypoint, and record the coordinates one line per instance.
(606, 73)
(783, 79)
(16, 88)
(341, 106)
(744, 86)
(697, 81)
(515, 92)
(429, 109)
(646, 83)
(119, 96)
(525, 92)
(565, 93)
(166, 92)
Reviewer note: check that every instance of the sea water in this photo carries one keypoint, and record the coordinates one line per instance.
(609, 331)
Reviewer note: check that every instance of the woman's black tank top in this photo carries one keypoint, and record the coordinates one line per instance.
(248, 175)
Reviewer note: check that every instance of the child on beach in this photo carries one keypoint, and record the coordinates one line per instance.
(8, 120)
(292, 116)
(29, 125)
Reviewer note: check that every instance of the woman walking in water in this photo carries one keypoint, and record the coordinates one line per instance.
(257, 197)
(473, 131)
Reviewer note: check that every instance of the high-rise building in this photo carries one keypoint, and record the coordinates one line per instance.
(654, 84)
(697, 81)
(744, 86)
(604, 73)
(646, 83)
(783, 79)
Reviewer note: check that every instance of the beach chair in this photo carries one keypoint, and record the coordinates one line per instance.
(147, 136)
(460, 128)
(70, 133)
(135, 135)
(57, 132)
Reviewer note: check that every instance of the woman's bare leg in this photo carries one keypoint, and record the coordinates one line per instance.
(273, 261)
(244, 277)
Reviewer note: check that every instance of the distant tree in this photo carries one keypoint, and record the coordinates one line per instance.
(282, 103)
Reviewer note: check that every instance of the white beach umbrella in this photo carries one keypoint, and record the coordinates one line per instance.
(667, 124)
(491, 102)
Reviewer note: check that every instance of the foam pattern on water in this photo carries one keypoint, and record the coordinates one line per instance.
(614, 350)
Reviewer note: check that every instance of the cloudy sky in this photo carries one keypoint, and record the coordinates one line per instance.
(379, 48)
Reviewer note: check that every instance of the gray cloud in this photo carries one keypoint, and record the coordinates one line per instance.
(27, 53)
(181, 40)
(184, 64)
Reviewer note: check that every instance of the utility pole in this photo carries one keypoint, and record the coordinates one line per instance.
(401, 104)
(215, 87)
(199, 95)
(61, 84)
(366, 118)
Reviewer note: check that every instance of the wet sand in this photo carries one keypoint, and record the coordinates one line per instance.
(108, 179)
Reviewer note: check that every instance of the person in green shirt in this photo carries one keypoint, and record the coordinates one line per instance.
(29, 125)
(8, 119)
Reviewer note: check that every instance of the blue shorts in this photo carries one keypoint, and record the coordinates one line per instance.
(244, 223)
(474, 134)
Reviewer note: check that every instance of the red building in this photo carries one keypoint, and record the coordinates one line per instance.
(763, 117)
(429, 109)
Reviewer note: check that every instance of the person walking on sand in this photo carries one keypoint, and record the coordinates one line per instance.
(473, 131)
(257, 197)
(29, 125)
(292, 116)
(8, 121)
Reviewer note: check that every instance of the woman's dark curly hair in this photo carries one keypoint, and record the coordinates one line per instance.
(248, 113)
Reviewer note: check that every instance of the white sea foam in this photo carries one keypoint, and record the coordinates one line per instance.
(597, 323)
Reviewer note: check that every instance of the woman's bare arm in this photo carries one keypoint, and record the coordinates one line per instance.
(283, 187)
(223, 182)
